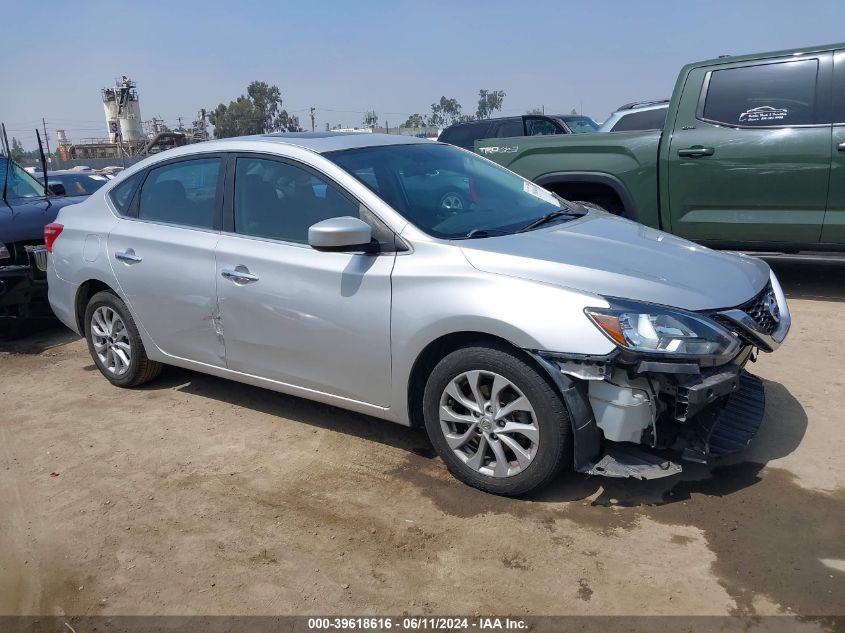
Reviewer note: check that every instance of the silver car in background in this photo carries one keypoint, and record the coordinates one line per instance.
(527, 334)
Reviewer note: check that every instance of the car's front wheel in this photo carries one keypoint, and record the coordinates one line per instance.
(114, 342)
(496, 420)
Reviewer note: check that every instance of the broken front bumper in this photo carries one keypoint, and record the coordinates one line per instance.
(626, 417)
(722, 428)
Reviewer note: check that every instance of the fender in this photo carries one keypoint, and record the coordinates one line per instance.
(586, 434)
(595, 177)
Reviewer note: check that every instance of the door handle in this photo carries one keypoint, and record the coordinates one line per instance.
(239, 274)
(127, 256)
(841, 147)
(697, 151)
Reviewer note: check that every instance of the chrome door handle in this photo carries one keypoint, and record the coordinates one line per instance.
(238, 276)
(127, 256)
(841, 147)
(696, 152)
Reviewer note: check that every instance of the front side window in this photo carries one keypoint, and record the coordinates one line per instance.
(281, 201)
(449, 193)
(183, 193)
(581, 124)
(780, 94)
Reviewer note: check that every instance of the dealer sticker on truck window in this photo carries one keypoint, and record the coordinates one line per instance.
(763, 113)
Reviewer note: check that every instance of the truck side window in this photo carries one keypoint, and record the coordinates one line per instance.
(766, 95)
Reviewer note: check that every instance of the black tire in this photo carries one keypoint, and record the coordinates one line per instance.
(141, 369)
(554, 450)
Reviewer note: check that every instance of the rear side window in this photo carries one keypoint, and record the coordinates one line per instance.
(465, 135)
(645, 120)
(780, 94)
(506, 128)
(183, 193)
(121, 195)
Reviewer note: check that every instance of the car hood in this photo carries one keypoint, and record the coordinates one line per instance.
(24, 220)
(610, 256)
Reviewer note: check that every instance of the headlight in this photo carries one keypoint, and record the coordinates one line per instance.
(641, 327)
(4, 252)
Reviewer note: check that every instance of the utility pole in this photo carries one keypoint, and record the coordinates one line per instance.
(46, 139)
(312, 118)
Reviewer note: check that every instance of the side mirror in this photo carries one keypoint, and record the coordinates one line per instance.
(57, 189)
(341, 234)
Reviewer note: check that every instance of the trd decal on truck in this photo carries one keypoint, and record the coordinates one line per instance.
(763, 113)
(511, 149)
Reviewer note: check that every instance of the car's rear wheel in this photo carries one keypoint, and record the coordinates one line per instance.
(114, 342)
(496, 421)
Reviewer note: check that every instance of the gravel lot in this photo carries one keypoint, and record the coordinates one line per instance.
(195, 495)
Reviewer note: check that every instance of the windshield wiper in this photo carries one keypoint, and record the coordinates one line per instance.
(482, 233)
(549, 217)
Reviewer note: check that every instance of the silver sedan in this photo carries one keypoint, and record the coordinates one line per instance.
(526, 333)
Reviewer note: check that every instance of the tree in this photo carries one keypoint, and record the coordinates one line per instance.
(535, 111)
(445, 112)
(16, 150)
(489, 101)
(259, 112)
(573, 112)
(414, 121)
(371, 119)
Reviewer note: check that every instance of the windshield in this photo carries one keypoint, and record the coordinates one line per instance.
(447, 192)
(581, 124)
(19, 184)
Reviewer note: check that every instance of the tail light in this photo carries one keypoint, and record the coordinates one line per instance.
(51, 232)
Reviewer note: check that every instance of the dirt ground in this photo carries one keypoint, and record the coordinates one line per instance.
(195, 495)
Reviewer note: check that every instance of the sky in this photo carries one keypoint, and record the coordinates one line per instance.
(394, 57)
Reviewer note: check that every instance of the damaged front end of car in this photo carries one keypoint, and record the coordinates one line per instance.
(675, 384)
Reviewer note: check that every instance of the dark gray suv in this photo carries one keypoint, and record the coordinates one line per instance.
(465, 134)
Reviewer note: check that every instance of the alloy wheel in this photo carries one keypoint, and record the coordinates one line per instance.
(111, 340)
(489, 423)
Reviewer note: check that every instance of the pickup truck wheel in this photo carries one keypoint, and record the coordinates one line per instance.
(114, 342)
(496, 421)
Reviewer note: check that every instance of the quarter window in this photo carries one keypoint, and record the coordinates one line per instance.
(780, 94)
(121, 195)
(183, 193)
(281, 201)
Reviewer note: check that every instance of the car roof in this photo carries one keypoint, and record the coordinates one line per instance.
(644, 105)
(322, 142)
(485, 121)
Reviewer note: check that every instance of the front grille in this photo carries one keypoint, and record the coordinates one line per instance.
(758, 309)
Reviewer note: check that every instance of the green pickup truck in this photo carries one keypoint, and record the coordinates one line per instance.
(752, 156)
